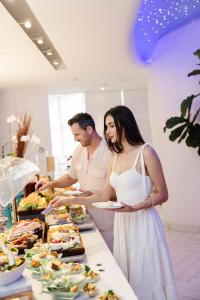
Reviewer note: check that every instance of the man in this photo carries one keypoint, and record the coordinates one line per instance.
(88, 166)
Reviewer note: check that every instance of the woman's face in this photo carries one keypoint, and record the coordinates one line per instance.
(111, 131)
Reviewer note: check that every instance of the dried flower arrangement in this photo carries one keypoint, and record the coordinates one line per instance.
(22, 136)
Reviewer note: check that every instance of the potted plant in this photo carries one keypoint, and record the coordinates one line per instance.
(186, 125)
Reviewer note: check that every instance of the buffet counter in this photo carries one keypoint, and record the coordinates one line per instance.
(100, 259)
(97, 256)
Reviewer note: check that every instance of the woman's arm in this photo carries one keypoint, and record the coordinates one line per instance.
(155, 172)
(105, 194)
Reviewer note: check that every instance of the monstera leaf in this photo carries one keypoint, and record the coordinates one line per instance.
(185, 126)
(193, 139)
(195, 72)
(186, 105)
(197, 53)
(173, 121)
(176, 132)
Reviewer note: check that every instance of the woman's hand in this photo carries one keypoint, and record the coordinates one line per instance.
(60, 201)
(85, 193)
(125, 208)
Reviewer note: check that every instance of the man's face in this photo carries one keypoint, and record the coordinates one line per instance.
(81, 135)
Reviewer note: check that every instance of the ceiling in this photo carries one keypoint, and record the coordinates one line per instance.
(91, 36)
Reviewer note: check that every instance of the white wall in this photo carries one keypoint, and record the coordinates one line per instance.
(98, 103)
(32, 101)
(168, 86)
(137, 101)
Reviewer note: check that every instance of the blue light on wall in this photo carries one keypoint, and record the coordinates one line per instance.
(156, 18)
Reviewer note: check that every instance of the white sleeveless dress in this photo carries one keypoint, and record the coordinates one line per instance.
(139, 241)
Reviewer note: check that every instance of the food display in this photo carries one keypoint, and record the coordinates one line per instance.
(43, 263)
(60, 210)
(8, 260)
(25, 233)
(59, 215)
(109, 295)
(54, 259)
(78, 213)
(63, 217)
(90, 289)
(66, 239)
(11, 265)
(68, 214)
(92, 276)
(3, 237)
(65, 287)
(33, 202)
(51, 253)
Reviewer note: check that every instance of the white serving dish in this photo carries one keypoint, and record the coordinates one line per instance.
(8, 277)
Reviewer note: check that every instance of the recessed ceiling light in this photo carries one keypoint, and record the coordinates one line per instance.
(55, 62)
(27, 24)
(40, 41)
(102, 88)
(49, 52)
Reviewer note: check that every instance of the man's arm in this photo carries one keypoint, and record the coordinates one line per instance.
(61, 182)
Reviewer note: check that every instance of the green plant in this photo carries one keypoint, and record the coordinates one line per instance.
(186, 126)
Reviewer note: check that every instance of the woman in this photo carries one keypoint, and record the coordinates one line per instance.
(139, 244)
(135, 175)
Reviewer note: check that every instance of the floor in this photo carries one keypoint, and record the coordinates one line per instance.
(185, 254)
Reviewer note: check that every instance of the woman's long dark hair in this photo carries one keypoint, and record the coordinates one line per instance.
(124, 120)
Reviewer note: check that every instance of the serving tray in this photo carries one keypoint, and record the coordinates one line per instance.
(73, 251)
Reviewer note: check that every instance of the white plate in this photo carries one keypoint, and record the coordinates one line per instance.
(107, 204)
(73, 193)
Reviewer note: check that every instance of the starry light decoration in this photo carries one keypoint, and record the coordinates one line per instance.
(156, 18)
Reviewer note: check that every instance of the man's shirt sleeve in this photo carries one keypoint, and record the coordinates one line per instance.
(72, 170)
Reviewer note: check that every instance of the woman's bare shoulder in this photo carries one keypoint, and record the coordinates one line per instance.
(149, 152)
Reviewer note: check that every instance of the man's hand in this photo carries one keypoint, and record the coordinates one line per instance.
(42, 185)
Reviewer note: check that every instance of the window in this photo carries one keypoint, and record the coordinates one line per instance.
(61, 109)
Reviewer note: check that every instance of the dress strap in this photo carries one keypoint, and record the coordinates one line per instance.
(144, 183)
(137, 156)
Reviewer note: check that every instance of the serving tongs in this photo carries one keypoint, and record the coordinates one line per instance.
(47, 210)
